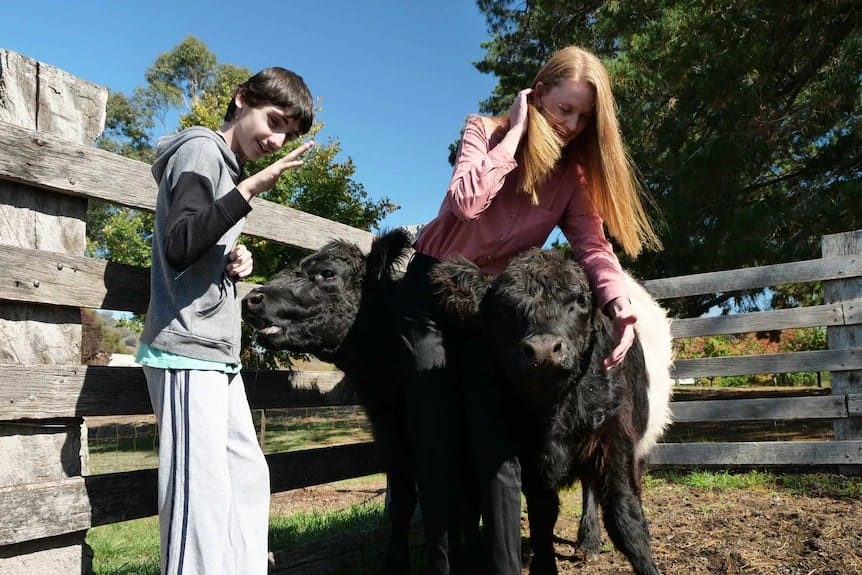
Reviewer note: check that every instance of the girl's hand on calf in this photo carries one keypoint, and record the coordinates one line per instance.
(624, 319)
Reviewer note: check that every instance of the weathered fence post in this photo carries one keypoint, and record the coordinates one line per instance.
(846, 336)
(44, 98)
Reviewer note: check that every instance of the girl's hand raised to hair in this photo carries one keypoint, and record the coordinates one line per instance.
(624, 319)
(518, 110)
(267, 177)
(517, 122)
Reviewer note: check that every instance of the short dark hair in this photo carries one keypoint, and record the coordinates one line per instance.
(276, 86)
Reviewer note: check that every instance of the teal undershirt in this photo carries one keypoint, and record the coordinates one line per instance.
(152, 357)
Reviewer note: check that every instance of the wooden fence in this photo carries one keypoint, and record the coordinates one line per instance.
(54, 398)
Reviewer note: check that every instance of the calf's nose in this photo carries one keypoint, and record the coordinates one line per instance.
(547, 349)
(253, 300)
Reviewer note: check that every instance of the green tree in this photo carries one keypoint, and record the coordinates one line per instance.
(182, 74)
(742, 115)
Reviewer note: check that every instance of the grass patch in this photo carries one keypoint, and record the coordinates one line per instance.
(801, 484)
(132, 547)
(293, 429)
(821, 485)
(127, 548)
(297, 528)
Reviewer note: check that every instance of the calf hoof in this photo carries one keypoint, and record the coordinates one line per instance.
(585, 549)
(585, 555)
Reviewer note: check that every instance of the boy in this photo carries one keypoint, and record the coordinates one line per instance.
(213, 477)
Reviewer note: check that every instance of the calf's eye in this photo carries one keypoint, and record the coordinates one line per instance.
(576, 302)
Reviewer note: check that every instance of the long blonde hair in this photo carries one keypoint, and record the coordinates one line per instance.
(611, 175)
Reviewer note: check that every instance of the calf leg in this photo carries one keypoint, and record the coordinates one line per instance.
(589, 537)
(402, 505)
(623, 512)
(543, 507)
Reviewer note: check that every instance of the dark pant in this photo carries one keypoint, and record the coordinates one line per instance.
(464, 451)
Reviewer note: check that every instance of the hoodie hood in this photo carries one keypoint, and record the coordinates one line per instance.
(166, 147)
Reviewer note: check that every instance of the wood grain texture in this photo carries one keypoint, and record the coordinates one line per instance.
(51, 391)
(57, 165)
(56, 507)
(759, 453)
(848, 266)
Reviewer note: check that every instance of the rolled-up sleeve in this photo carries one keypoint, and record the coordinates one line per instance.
(480, 171)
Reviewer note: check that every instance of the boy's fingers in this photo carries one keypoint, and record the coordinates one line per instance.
(290, 164)
(299, 151)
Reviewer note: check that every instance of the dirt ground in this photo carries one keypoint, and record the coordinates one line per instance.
(695, 531)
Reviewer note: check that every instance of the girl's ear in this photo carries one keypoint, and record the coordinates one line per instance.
(536, 95)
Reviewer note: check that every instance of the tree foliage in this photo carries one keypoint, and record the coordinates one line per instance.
(760, 343)
(742, 115)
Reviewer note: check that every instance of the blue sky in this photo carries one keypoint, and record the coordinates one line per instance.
(396, 78)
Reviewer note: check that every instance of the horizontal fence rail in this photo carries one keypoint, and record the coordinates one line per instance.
(39, 510)
(54, 391)
(758, 454)
(841, 267)
(45, 161)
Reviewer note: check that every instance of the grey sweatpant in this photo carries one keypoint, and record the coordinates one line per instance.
(213, 477)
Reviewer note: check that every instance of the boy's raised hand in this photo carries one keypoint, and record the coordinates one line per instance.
(267, 177)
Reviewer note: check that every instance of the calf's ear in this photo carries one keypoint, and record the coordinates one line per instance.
(460, 287)
(388, 251)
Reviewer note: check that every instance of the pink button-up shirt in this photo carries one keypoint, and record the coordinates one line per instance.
(486, 220)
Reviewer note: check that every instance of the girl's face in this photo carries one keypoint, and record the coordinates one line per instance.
(569, 105)
(261, 130)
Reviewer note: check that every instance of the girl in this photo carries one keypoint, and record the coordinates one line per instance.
(557, 159)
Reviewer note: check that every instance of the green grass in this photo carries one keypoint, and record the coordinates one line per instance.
(127, 548)
(298, 528)
(288, 430)
(132, 547)
(803, 484)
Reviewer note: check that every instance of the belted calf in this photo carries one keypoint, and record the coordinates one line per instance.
(577, 422)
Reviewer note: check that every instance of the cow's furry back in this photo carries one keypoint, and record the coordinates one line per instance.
(653, 329)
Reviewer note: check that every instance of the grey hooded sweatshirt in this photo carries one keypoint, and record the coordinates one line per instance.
(193, 309)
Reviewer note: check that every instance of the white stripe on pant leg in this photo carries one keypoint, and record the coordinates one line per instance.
(178, 525)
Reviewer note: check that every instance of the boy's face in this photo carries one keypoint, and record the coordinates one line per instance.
(261, 130)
